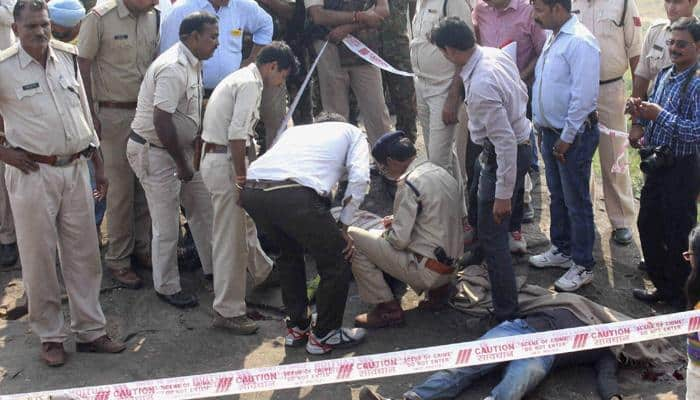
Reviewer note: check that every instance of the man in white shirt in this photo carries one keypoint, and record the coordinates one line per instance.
(287, 193)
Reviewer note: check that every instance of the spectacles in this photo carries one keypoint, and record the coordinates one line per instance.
(681, 44)
(688, 255)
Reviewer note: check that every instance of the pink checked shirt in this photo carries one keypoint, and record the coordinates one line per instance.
(496, 28)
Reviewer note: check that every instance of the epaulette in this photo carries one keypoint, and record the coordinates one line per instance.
(8, 52)
(104, 7)
(66, 47)
(658, 22)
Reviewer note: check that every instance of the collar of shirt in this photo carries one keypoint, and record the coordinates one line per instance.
(25, 59)
(512, 6)
(413, 165)
(256, 72)
(185, 56)
(470, 66)
(122, 9)
(205, 4)
(568, 28)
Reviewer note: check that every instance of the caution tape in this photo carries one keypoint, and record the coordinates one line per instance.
(387, 364)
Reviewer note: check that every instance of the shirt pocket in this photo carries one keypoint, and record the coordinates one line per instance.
(70, 91)
(607, 25)
(193, 101)
(31, 98)
(428, 19)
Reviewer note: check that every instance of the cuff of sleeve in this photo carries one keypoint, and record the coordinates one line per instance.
(502, 192)
(568, 136)
(347, 213)
(663, 118)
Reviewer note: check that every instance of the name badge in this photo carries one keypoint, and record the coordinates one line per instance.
(659, 48)
(121, 37)
(236, 32)
(31, 86)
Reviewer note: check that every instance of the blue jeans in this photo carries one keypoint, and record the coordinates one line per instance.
(520, 376)
(494, 237)
(100, 206)
(571, 228)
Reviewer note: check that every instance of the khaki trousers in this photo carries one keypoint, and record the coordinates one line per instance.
(365, 81)
(7, 225)
(128, 221)
(617, 188)
(54, 208)
(273, 108)
(440, 139)
(235, 239)
(165, 194)
(374, 256)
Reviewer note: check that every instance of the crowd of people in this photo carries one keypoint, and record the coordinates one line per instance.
(115, 109)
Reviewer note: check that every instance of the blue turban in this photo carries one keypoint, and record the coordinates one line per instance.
(66, 13)
(380, 150)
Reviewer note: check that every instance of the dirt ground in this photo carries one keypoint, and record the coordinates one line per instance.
(166, 342)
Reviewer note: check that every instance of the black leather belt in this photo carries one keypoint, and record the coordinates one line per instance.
(140, 140)
(265, 184)
(619, 78)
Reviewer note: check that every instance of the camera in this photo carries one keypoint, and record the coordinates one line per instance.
(656, 159)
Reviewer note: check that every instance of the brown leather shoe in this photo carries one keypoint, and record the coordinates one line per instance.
(241, 325)
(127, 277)
(103, 344)
(53, 354)
(382, 316)
(436, 299)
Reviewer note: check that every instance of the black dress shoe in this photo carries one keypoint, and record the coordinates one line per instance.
(8, 254)
(649, 296)
(179, 299)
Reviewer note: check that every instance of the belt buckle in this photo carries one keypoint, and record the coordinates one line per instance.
(62, 161)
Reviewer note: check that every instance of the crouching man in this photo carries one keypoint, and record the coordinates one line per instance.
(421, 238)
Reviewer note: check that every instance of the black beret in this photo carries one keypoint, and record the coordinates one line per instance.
(380, 150)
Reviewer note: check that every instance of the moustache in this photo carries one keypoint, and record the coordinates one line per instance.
(675, 54)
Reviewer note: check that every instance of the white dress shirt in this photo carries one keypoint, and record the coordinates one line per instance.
(567, 79)
(237, 17)
(496, 100)
(317, 156)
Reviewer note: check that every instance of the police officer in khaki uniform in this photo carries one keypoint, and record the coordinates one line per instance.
(438, 87)
(49, 135)
(8, 245)
(232, 112)
(618, 27)
(161, 150)
(339, 69)
(421, 237)
(118, 41)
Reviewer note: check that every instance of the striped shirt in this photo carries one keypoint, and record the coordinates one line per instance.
(678, 124)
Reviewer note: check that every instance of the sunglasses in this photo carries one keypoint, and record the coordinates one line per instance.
(681, 44)
(688, 255)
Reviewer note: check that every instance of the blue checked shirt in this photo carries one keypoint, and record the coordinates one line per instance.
(679, 129)
(235, 18)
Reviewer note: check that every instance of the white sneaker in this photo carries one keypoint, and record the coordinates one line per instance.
(296, 336)
(573, 279)
(551, 258)
(517, 243)
(335, 339)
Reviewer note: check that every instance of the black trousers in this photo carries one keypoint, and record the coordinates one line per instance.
(667, 214)
(298, 219)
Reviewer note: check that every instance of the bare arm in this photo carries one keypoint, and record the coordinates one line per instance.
(238, 154)
(528, 72)
(332, 18)
(165, 129)
(280, 8)
(253, 55)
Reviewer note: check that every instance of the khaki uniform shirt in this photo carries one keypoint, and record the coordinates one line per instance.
(6, 20)
(427, 212)
(45, 110)
(173, 83)
(232, 110)
(617, 43)
(655, 56)
(121, 45)
(426, 59)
